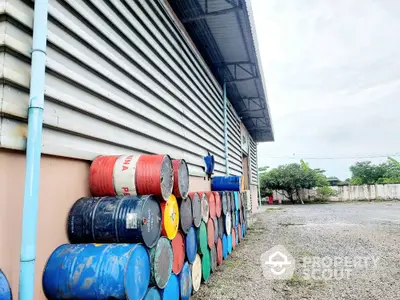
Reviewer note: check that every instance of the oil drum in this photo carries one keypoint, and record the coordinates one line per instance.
(229, 238)
(205, 209)
(211, 204)
(226, 183)
(129, 219)
(5, 290)
(191, 245)
(170, 217)
(196, 273)
(224, 246)
(218, 204)
(171, 290)
(185, 214)
(196, 208)
(228, 223)
(213, 258)
(216, 229)
(178, 250)
(101, 181)
(152, 294)
(224, 202)
(206, 265)
(221, 227)
(233, 238)
(97, 271)
(181, 178)
(161, 258)
(185, 282)
(219, 251)
(237, 203)
(202, 239)
(210, 233)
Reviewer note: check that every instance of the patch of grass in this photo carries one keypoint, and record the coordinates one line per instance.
(306, 253)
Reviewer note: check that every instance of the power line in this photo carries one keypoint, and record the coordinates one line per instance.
(332, 157)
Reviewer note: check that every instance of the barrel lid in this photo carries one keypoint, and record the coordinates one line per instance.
(171, 290)
(161, 258)
(196, 273)
(236, 218)
(232, 201)
(202, 239)
(151, 220)
(228, 202)
(5, 290)
(206, 265)
(221, 227)
(205, 209)
(240, 236)
(181, 178)
(137, 279)
(218, 204)
(191, 245)
(216, 229)
(170, 217)
(224, 202)
(196, 208)
(233, 221)
(233, 238)
(219, 251)
(178, 250)
(213, 258)
(152, 294)
(241, 216)
(229, 238)
(228, 223)
(210, 233)
(211, 204)
(224, 246)
(185, 282)
(185, 214)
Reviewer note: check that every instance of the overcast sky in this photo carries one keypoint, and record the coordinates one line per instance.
(332, 70)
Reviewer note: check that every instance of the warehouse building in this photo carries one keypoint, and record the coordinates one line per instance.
(125, 77)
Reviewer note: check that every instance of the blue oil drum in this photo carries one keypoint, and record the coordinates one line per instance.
(5, 290)
(237, 201)
(152, 294)
(128, 219)
(171, 290)
(225, 246)
(185, 282)
(97, 271)
(191, 245)
(229, 243)
(226, 183)
(237, 218)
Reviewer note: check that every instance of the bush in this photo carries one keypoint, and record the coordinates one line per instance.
(324, 192)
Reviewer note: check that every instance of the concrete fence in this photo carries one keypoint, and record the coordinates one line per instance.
(352, 193)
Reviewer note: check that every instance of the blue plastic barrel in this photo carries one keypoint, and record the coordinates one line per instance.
(185, 282)
(191, 245)
(226, 183)
(224, 246)
(171, 290)
(97, 271)
(5, 290)
(129, 219)
(152, 294)
(229, 243)
(237, 203)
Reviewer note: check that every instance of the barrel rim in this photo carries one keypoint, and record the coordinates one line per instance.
(153, 198)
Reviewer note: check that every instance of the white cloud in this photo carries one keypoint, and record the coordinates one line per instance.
(332, 70)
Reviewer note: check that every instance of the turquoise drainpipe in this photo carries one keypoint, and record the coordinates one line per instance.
(226, 132)
(33, 152)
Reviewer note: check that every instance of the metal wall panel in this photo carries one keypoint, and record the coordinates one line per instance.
(253, 162)
(120, 77)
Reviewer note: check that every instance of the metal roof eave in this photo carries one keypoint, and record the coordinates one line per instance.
(225, 34)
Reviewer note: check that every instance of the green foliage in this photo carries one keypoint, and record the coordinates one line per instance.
(291, 178)
(367, 173)
(324, 192)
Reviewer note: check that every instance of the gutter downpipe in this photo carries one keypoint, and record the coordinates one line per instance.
(226, 132)
(33, 152)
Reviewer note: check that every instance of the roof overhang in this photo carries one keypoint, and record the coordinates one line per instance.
(225, 35)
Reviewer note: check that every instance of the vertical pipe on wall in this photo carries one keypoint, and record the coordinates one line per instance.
(33, 152)
(226, 132)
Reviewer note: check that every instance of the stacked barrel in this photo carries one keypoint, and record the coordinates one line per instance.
(142, 235)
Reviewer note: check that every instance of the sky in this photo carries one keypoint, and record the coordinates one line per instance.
(332, 72)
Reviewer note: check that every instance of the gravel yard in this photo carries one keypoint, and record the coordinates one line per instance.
(362, 238)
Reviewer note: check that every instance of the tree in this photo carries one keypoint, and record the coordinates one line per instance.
(291, 178)
(367, 173)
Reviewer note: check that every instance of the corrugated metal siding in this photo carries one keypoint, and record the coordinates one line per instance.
(120, 78)
(253, 162)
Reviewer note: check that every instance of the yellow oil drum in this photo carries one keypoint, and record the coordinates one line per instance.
(242, 183)
(170, 217)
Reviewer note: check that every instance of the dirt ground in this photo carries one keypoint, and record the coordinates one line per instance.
(365, 233)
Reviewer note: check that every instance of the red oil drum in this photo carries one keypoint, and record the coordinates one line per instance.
(101, 176)
(211, 204)
(210, 233)
(181, 178)
(218, 204)
(178, 251)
